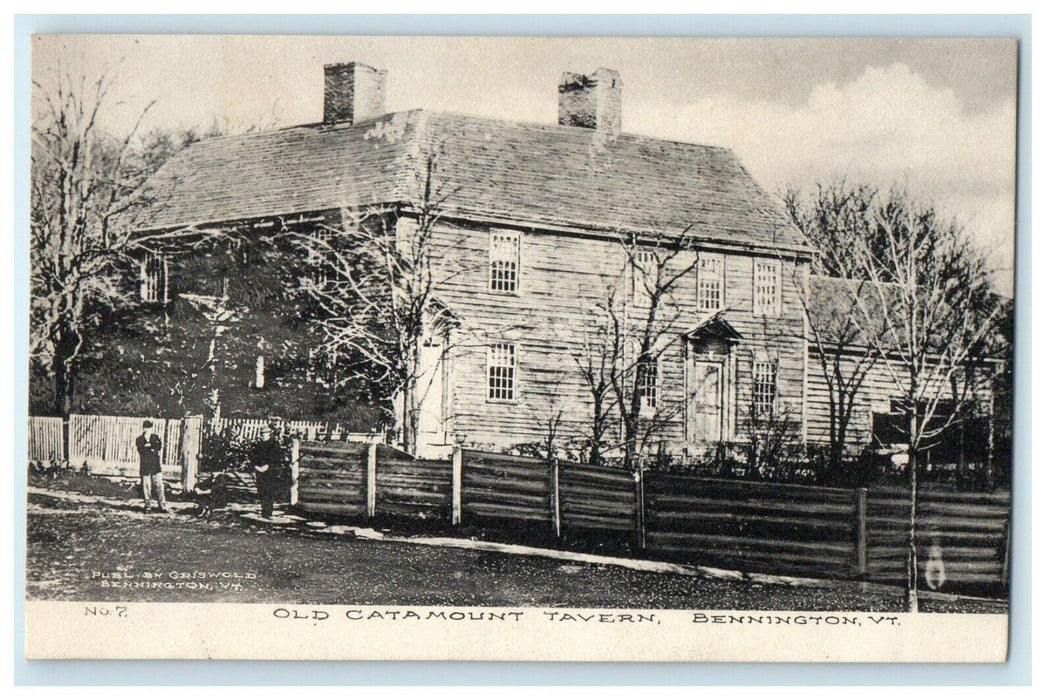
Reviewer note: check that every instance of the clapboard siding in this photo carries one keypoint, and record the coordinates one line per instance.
(563, 282)
(878, 387)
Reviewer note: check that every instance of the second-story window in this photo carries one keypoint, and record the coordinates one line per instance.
(501, 372)
(710, 282)
(767, 287)
(153, 279)
(645, 276)
(504, 261)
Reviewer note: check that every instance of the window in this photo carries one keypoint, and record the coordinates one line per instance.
(767, 285)
(645, 276)
(647, 374)
(320, 366)
(710, 282)
(504, 261)
(261, 377)
(318, 257)
(765, 376)
(501, 372)
(153, 279)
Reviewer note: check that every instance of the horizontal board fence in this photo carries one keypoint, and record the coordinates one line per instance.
(47, 439)
(596, 498)
(504, 486)
(962, 537)
(751, 526)
(331, 477)
(416, 488)
(754, 526)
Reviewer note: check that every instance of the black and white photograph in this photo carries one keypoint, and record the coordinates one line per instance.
(485, 342)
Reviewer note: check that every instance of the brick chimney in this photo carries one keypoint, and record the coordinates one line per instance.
(354, 92)
(592, 101)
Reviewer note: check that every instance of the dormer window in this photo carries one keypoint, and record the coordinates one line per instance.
(153, 278)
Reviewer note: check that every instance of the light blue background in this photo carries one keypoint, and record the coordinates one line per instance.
(1016, 672)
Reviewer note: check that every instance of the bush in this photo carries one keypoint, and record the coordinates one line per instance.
(227, 450)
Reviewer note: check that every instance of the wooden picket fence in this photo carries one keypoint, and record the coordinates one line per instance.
(105, 445)
(253, 429)
(745, 525)
(47, 439)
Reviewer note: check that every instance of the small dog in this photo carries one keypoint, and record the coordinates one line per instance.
(212, 492)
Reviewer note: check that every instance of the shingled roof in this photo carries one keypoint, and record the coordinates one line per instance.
(542, 175)
(847, 312)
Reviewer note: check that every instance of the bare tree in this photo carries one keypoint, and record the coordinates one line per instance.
(837, 222)
(926, 309)
(375, 288)
(640, 321)
(594, 358)
(85, 188)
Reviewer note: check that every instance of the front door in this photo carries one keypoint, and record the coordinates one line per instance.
(707, 409)
(431, 389)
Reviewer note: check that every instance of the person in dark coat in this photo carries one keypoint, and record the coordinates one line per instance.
(149, 446)
(267, 464)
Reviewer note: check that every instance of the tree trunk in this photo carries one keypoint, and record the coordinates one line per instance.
(631, 430)
(595, 456)
(62, 369)
(912, 546)
(594, 453)
(833, 459)
(409, 416)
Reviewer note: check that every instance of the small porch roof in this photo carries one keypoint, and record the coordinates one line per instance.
(715, 326)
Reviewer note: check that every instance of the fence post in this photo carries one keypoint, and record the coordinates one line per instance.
(65, 440)
(190, 447)
(371, 480)
(1005, 556)
(556, 526)
(457, 458)
(294, 473)
(641, 520)
(861, 532)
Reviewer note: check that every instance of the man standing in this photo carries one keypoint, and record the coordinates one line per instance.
(149, 446)
(268, 462)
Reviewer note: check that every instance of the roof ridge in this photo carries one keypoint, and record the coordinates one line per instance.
(546, 173)
(443, 114)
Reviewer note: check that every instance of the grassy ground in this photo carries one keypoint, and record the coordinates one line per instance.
(76, 549)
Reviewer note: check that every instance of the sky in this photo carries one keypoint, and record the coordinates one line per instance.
(935, 116)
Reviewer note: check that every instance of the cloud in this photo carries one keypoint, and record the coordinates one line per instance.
(886, 126)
